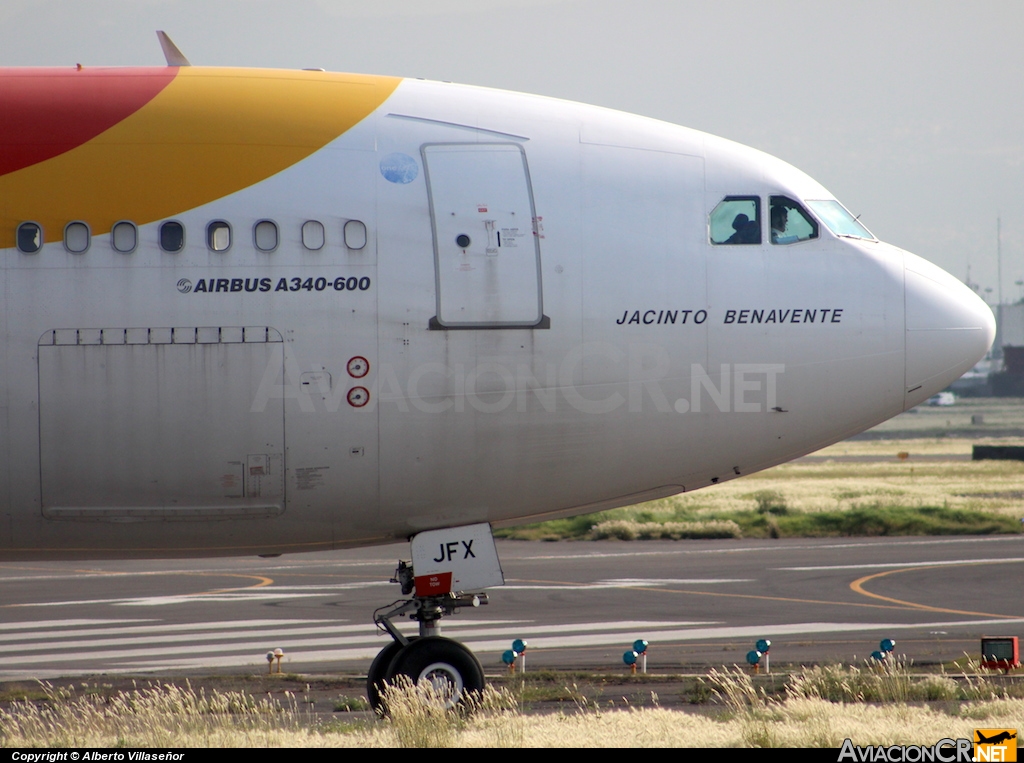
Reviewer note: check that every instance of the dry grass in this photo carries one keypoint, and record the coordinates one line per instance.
(822, 497)
(824, 706)
(833, 479)
(174, 717)
(160, 716)
(624, 529)
(891, 681)
(864, 475)
(996, 486)
(418, 717)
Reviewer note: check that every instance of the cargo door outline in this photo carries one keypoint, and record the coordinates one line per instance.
(115, 406)
(487, 266)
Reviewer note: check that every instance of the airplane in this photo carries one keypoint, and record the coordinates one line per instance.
(1002, 736)
(265, 312)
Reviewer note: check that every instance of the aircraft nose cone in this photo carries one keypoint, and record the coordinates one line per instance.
(949, 329)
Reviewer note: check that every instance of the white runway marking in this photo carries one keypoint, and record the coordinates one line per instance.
(628, 582)
(175, 647)
(51, 629)
(46, 624)
(85, 574)
(620, 583)
(158, 601)
(886, 565)
(220, 595)
(55, 652)
(286, 592)
(786, 548)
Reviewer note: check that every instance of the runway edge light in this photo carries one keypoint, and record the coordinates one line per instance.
(640, 650)
(509, 658)
(762, 646)
(519, 647)
(884, 651)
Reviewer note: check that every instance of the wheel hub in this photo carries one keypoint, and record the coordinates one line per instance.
(445, 680)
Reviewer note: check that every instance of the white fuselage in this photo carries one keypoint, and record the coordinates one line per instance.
(603, 352)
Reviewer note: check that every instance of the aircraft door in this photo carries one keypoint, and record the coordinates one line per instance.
(486, 256)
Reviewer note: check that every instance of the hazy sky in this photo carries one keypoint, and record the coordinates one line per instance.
(910, 112)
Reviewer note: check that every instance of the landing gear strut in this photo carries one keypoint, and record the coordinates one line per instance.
(454, 672)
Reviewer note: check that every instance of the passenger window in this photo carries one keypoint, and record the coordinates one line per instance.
(790, 223)
(736, 220)
(172, 236)
(313, 235)
(30, 238)
(355, 234)
(264, 235)
(76, 237)
(218, 236)
(124, 237)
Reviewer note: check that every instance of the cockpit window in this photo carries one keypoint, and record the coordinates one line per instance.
(838, 220)
(736, 220)
(790, 223)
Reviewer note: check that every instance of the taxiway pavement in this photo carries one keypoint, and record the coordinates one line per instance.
(577, 604)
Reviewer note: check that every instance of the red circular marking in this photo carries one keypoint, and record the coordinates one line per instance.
(358, 397)
(358, 367)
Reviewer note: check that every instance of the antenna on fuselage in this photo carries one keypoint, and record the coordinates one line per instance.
(174, 56)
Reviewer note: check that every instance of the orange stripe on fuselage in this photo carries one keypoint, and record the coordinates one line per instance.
(206, 134)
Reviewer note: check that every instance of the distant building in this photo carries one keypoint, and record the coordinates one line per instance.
(1007, 377)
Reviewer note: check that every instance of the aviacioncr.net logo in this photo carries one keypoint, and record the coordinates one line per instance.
(995, 745)
(944, 751)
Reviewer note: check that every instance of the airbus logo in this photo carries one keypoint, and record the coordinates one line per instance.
(184, 286)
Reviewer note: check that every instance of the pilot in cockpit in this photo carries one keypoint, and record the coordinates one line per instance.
(780, 218)
(747, 231)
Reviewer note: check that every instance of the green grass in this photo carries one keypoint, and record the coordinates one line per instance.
(894, 520)
(636, 523)
(859, 487)
(345, 704)
(19, 693)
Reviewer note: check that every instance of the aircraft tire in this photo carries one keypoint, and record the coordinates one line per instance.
(378, 674)
(452, 668)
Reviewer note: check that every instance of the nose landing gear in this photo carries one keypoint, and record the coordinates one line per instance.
(449, 667)
(447, 562)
